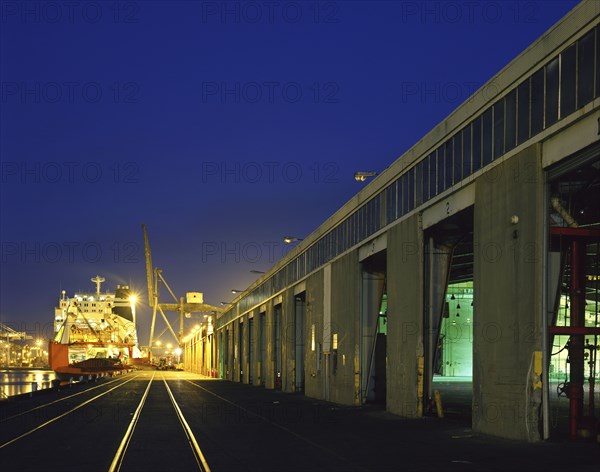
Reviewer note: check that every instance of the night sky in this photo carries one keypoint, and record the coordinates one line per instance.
(223, 126)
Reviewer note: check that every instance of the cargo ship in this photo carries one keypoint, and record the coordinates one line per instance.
(94, 333)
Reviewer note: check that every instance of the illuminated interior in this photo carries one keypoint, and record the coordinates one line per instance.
(455, 346)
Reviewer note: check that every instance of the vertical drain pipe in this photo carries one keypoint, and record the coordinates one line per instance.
(430, 351)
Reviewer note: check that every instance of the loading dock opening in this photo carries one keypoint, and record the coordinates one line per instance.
(448, 317)
(373, 329)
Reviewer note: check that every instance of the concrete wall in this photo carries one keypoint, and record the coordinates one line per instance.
(507, 296)
(404, 317)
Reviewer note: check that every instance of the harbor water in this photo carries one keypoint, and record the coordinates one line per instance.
(17, 382)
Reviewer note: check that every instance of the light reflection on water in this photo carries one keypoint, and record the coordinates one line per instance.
(16, 382)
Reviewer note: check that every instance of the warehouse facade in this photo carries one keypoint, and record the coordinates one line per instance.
(364, 308)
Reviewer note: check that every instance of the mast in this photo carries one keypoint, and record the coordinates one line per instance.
(98, 281)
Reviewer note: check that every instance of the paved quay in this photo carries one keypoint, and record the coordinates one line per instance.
(167, 421)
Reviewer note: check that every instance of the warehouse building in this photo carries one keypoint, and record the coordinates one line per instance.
(473, 255)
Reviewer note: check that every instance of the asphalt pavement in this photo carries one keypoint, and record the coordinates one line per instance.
(172, 421)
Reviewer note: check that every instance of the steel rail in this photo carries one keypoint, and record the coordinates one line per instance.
(122, 449)
(202, 464)
(39, 407)
(62, 415)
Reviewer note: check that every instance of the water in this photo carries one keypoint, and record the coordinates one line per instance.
(16, 382)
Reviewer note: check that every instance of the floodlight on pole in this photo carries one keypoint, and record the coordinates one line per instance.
(363, 175)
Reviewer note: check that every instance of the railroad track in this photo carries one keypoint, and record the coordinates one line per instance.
(42, 424)
(120, 455)
(155, 421)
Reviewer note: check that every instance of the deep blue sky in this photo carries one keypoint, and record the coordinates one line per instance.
(221, 125)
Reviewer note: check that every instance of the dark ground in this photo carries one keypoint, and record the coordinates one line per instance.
(244, 428)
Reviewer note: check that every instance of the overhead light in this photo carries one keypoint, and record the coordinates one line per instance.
(458, 306)
(225, 303)
(256, 271)
(291, 239)
(234, 291)
(452, 297)
(363, 175)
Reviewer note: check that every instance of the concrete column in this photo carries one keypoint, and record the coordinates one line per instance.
(324, 338)
(256, 349)
(186, 357)
(405, 315)
(194, 354)
(345, 318)
(287, 341)
(277, 336)
(245, 350)
(508, 297)
(237, 351)
(314, 317)
(229, 363)
(270, 347)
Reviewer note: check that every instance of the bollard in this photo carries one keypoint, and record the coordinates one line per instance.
(438, 403)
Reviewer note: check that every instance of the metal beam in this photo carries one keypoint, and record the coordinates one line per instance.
(149, 268)
(190, 307)
(574, 330)
(167, 321)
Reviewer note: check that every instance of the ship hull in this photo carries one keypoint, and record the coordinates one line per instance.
(90, 369)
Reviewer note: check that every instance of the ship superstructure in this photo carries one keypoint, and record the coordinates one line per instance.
(95, 325)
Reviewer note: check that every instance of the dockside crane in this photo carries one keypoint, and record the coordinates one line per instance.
(192, 304)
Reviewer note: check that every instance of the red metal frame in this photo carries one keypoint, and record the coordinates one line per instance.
(572, 330)
(576, 238)
(575, 232)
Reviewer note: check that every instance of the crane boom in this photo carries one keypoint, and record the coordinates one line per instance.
(149, 268)
(153, 275)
